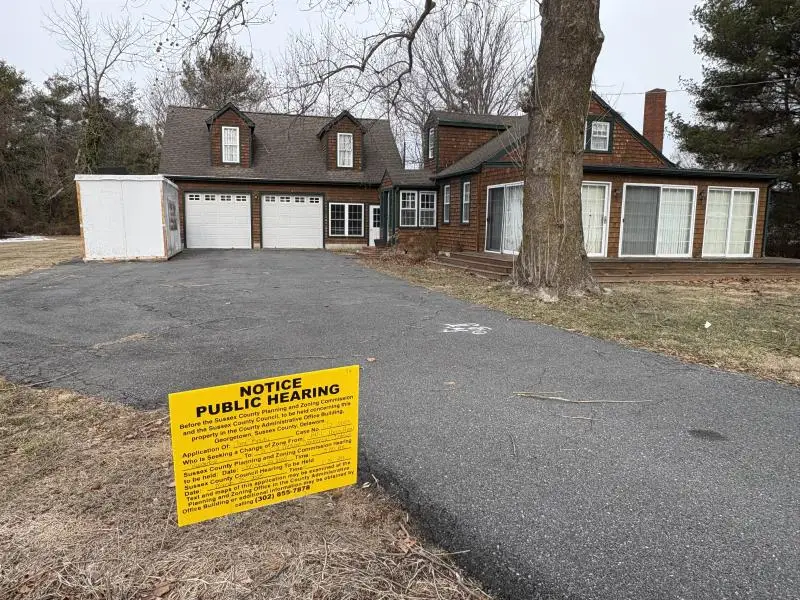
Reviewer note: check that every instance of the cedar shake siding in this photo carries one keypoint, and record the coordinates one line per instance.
(330, 141)
(627, 148)
(456, 135)
(454, 143)
(346, 194)
(456, 237)
(230, 119)
(615, 212)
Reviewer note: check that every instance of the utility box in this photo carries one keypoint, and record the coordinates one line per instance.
(128, 217)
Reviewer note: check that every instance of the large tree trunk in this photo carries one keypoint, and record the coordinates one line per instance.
(552, 258)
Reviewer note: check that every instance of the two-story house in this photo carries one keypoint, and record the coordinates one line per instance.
(263, 180)
(636, 203)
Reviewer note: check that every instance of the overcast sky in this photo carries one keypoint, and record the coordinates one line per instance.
(648, 44)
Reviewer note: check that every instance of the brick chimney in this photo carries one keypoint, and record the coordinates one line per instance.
(655, 110)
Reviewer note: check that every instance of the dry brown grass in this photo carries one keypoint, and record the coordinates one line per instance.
(21, 257)
(87, 512)
(755, 325)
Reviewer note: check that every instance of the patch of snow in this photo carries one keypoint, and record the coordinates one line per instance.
(26, 238)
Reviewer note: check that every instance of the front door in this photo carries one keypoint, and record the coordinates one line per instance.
(374, 223)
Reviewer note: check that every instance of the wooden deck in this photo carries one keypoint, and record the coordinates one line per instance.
(616, 270)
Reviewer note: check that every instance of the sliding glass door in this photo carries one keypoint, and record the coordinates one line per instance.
(657, 221)
(504, 218)
(594, 215)
(730, 222)
(494, 219)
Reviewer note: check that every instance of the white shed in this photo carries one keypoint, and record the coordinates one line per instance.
(128, 217)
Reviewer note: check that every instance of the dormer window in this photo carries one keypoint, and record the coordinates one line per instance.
(344, 150)
(431, 141)
(598, 136)
(230, 144)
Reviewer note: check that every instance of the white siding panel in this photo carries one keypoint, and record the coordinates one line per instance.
(103, 219)
(144, 233)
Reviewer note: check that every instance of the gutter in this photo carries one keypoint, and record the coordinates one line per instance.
(678, 172)
(213, 178)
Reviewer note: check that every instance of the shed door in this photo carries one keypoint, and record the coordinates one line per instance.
(291, 221)
(217, 220)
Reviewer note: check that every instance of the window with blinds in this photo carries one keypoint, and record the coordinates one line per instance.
(657, 221)
(730, 222)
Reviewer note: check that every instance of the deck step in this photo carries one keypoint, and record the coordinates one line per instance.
(465, 262)
(500, 260)
(486, 274)
(497, 266)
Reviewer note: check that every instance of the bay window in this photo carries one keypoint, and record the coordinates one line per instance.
(427, 209)
(418, 208)
(408, 209)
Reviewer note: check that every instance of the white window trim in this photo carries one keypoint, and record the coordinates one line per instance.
(587, 139)
(431, 141)
(446, 205)
(238, 157)
(728, 233)
(486, 217)
(465, 184)
(416, 209)
(347, 206)
(339, 138)
(419, 208)
(606, 216)
(660, 187)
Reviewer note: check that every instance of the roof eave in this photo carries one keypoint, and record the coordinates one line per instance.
(679, 172)
(268, 181)
(230, 106)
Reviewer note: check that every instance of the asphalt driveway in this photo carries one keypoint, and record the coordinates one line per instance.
(678, 482)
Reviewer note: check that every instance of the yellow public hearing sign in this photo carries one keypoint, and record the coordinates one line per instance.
(244, 445)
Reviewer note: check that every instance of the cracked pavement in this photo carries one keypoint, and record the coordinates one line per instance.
(688, 489)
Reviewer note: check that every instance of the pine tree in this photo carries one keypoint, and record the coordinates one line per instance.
(224, 74)
(748, 104)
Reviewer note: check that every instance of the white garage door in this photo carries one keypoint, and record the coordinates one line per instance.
(291, 221)
(218, 220)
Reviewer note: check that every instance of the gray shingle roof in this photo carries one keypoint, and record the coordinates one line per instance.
(411, 177)
(285, 148)
(445, 117)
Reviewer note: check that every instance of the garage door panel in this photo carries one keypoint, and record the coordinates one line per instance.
(212, 222)
(291, 224)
